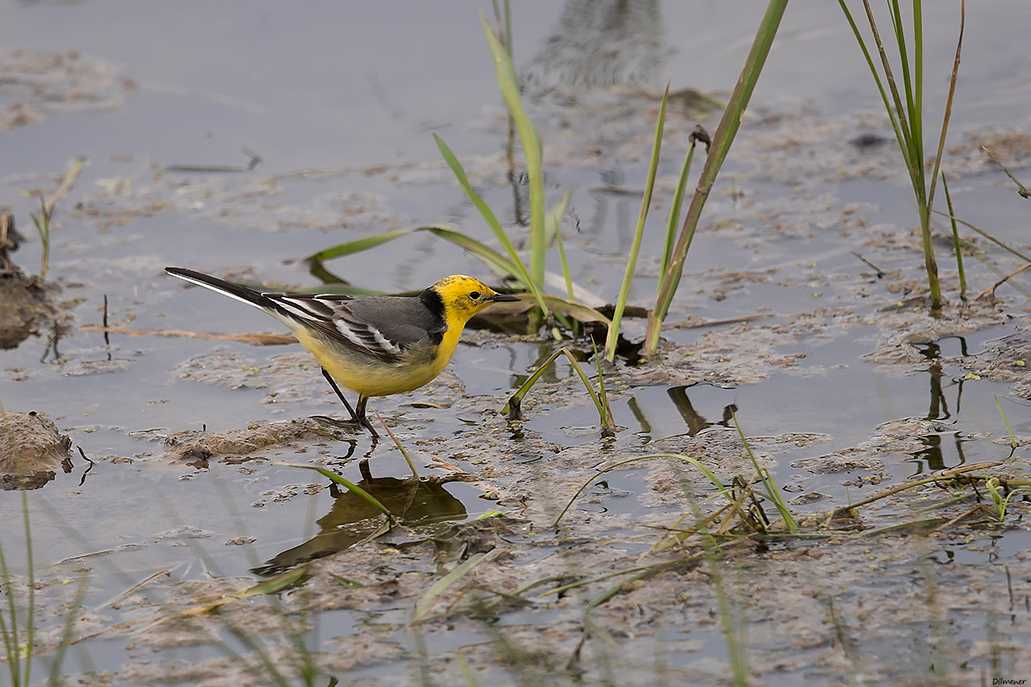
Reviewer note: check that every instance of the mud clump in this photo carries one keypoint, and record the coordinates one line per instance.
(247, 441)
(30, 448)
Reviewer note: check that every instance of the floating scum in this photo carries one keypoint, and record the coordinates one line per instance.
(372, 345)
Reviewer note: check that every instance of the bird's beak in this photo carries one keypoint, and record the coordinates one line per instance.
(504, 298)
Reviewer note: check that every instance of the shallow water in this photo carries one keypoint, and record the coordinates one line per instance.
(340, 104)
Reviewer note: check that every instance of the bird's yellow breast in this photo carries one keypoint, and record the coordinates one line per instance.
(419, 365)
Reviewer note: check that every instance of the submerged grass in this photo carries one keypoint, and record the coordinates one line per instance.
(425, 604)
(688, 459)
(734, 624)
(599, 588)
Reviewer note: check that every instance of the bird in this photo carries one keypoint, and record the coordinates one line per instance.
(372, 345)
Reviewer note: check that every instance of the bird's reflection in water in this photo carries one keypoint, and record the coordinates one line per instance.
(601, 44)
(413, 501)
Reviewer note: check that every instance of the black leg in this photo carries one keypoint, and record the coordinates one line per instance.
(362, 420)
(356, 417)
(332, 383)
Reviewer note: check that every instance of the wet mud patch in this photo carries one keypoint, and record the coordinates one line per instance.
(248, 200)
(237, 370)
(534, 607)
(36, 84)
(905, 326)
(1006, 360)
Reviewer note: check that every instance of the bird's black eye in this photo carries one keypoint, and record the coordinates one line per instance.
(475, 295)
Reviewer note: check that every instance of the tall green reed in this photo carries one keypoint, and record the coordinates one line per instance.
(635, 246)
(905, 108)
(721, 142)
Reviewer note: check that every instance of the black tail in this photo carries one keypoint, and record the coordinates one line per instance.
(240, 293)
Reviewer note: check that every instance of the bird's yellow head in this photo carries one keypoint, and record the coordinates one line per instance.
(463, 297)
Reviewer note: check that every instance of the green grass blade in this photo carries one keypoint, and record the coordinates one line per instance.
(440, 586)
(895, 107)
(484, 252)
(910, 150)
(347, 583)
(733, 627)
(601, 387)
(508, 84)
(552, 223)
(20, 671)
(350, 486)
(400, 447)
(578, 311)
(604, 414)
(917, 107)
(565, 266)
(910, 76)
(488, 216)
(274, 585)
(1013, 441)
(892, 116)
(635, 244)
(907, 114)
(480, 250)
(946, 118)
(955, 239)
(642, 574)
(552, 219)
(359, 245)
(678, 201)
(511, 408)
(9, 631)
(67, 630)
(729, 124)
(42, 222)
(768, 484)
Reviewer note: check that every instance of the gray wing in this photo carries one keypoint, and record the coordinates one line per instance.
(380, 326)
